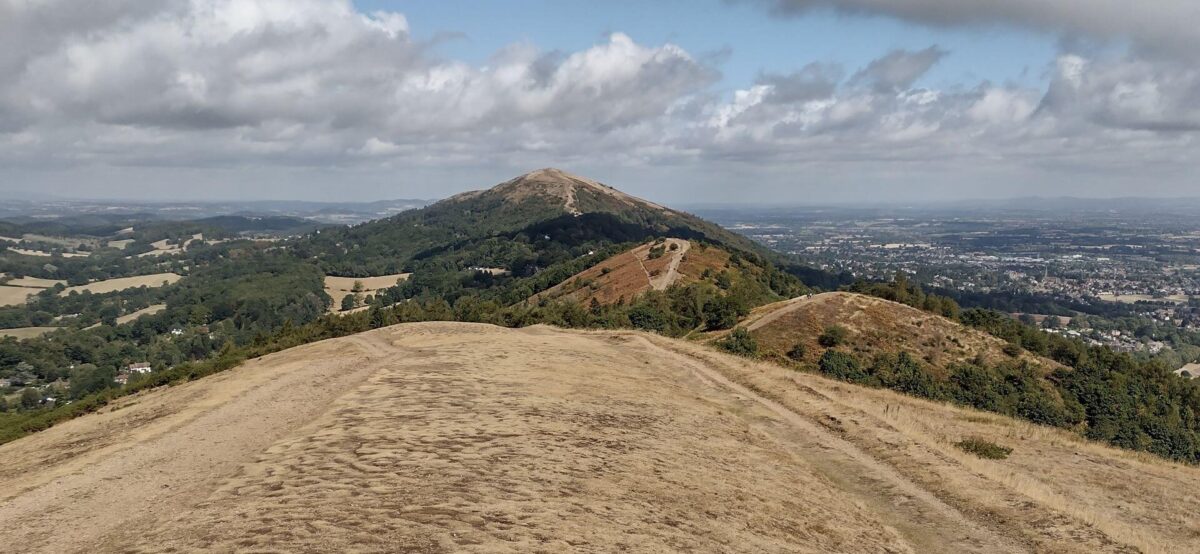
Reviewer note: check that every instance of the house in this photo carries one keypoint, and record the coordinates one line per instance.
(139, 368)
(122, 378)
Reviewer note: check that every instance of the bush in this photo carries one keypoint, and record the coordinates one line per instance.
(1012, 349)
(984, 449)
(842, 366)
(798, 352)
(834, 335)
(740, 342)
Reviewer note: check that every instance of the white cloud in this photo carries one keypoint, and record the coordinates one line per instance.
(316, 84)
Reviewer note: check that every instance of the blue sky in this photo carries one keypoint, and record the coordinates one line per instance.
(749, 39)
(803, 101)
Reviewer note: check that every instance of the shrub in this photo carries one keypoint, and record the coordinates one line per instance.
(984, 449)
(740, 342)
(833, 335)
(798, 352)
(841, 365)
(1012, 349)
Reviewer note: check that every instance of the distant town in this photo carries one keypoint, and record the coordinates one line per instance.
(1109, 276)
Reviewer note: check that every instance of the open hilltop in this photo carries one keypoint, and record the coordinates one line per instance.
(441, 437)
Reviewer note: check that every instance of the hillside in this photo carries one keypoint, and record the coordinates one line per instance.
(522, 225)
(646, 267)
(877, 326)
(463, 437)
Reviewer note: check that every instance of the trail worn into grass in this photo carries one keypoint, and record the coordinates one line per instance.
(443, 437)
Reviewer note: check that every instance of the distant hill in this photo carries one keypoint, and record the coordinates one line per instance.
(522, 225)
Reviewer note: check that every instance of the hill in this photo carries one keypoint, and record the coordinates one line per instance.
(522, 225)
(876, 326)
(647, 444)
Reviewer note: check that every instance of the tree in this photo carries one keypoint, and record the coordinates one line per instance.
(349, 302)
(357, 287)
(30, 398)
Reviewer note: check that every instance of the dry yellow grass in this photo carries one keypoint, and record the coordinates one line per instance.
(34, 282)
(22, 333)
(112, 285)
(15, 296)
(16, 292)
(341, 287)
(151, 310)
(458, 437)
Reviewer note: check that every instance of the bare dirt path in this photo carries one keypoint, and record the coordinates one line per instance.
(668, 277)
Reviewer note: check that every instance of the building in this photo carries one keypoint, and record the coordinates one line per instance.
(139, 368)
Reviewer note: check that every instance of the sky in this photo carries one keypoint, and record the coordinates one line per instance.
(713, 101)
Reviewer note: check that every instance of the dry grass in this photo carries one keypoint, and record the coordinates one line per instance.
(1054, 481)
(436, 438)
(16, 292)
(458, 437)
(341, 287)
(1134, 298)
(22, 333)
(15, 296)
(113, 285)
(151, 310)
(34, 282)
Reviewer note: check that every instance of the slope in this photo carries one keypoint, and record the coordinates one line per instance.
(458, 437)
(519, 225)
(650, 266)
(877, 326)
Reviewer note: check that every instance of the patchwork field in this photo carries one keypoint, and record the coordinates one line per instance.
(443, 437)
(340, 287)
(151, 310)
(17, 291)
(22, 333)
(163, 248)
(113, 285)
(1135, 298)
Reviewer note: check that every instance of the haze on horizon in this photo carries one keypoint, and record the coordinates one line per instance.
(742, 101)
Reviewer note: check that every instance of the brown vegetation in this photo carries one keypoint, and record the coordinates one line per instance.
(631, 273)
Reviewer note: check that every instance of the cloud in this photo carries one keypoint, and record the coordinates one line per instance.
(898, 69)
(304, 85)
(209, 80)
(1165, 25)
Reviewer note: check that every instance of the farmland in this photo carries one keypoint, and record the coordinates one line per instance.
(114, 285)
(339, 288)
